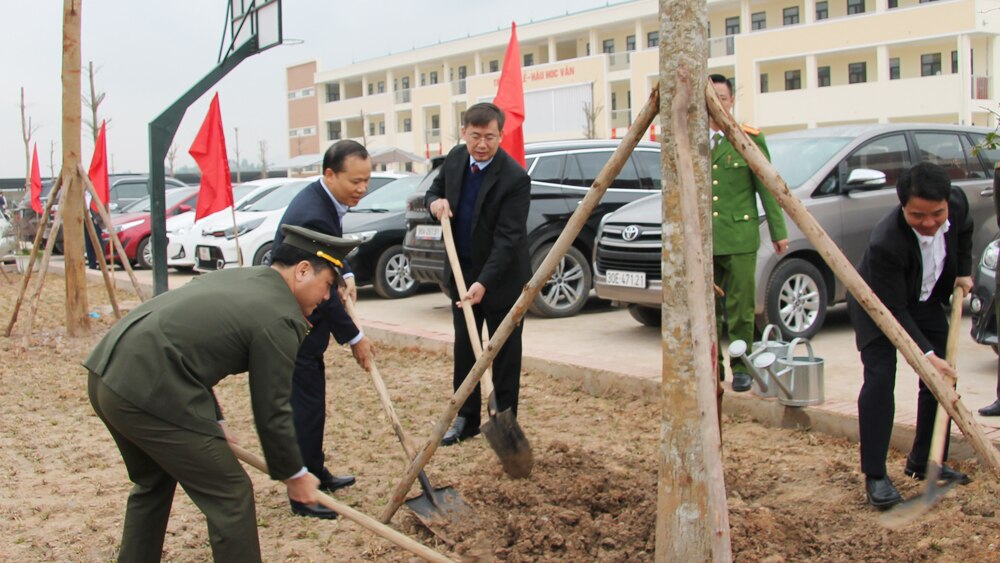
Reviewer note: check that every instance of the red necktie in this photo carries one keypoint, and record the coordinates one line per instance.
(475, 168)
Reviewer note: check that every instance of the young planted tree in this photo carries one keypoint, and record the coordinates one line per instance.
(590, 113)
(27, 132)
(262, 146)
(93, 102)
(171, 155)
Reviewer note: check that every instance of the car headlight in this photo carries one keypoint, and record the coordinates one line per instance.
(361, 236)
(990, 255)
(129, 225)
(238, 230)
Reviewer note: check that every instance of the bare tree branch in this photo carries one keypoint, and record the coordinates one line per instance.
(262, 146)
(27, 132)
(94, 102)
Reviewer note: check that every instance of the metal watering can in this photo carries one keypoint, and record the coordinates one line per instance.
(776, 346)
(798, 380)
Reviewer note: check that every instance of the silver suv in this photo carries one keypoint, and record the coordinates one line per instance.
(846, 177)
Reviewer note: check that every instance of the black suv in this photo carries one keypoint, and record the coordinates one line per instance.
(561, 173)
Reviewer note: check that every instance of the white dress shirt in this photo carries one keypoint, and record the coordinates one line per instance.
(932, 253)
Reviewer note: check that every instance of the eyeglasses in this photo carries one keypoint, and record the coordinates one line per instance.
(475, 138)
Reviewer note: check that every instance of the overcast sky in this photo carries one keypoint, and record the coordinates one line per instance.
(149, 53)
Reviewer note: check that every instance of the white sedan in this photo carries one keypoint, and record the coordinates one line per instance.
(182, 230)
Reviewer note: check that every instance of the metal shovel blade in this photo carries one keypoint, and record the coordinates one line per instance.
(510, 444)
(438, 508)
(912, 509)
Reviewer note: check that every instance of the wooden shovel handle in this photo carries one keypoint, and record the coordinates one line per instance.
(938, 438)
(359, 518)
(470, 320)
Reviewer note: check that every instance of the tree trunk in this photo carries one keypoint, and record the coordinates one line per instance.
(692, 521)
(72, 209)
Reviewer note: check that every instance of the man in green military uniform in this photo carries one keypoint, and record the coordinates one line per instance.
(736, 232)
(151, 380)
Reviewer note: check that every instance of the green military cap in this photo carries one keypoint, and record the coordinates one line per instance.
(331, 248)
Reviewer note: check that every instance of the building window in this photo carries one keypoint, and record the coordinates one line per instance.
(790, 16)
(435, 121)
(406, 82)
(857, 73)
(332, 92)
(893, 4)
(371, 128)
(332, 130)
(653, 39)
(793, 80)
(855, 7)
(588, 49)
(758, 21)
(423, 79)
(381, 127)
(307, 92)
(763, 84)
(630, 43)
(614, 102)
(608, 46)
(407, 125)
(894, 68)
(930, 64)
(306, 131)
(494, 65)
(381, 86)
(529, 59)
(434, 77)
(733, 26)
(823, 76)
(954, 62)
(822, 10)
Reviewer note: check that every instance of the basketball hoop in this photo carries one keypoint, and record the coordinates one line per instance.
(251, 20)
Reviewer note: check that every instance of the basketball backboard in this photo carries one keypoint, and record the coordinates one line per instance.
(251, 19)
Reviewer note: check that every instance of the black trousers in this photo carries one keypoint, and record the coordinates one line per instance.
(506, 366)
(158, 456)
(309, 398)
(876, 402)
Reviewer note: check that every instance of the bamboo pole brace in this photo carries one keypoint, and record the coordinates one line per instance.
(573, 227)
(53, 194)
(850, 277)
(117, 244)
(95, 241)
(359, 518)
(43, 269)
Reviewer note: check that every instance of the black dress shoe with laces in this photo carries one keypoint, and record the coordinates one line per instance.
(947, 473)
(312, 510)
(331, 483)
(461, 430)
(882, 494)
(992, 410)
(741, 382)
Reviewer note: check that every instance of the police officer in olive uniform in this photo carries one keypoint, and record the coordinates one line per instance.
(151, 380)
(736, 232)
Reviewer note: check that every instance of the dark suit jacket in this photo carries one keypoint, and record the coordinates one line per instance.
(168, 353)
(893, 267)
(499, 228)
(313, 209)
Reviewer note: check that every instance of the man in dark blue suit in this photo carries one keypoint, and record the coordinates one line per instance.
(321, 207)
(917, 254)
(485, 194)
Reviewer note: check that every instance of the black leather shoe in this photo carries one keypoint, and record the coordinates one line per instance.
(461, 430)
(741, 382)
(312, 511)
(331, 483)
(882, 494)
(992, 410)
(947, 474)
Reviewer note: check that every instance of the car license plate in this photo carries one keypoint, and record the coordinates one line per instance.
(204, 253)
(428, 232)
(626, 279)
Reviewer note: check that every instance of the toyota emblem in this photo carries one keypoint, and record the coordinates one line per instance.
(630, 233)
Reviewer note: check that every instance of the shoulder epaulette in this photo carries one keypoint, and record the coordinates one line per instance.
(750, 130)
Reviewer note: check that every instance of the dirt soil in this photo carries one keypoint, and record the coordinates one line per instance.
(793, 495)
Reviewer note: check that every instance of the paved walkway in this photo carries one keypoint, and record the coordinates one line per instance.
(604, 350)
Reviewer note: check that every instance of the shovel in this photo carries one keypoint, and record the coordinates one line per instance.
(908, 511)
(434, 507)
(501, 430)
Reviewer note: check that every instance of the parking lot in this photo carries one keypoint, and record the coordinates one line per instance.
(604, 350)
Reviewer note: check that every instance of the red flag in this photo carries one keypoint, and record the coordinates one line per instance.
(98, 172)
(36, 184)
(209, 151)
(510, 98)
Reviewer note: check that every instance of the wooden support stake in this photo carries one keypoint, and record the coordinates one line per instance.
(43, 269)
(845, 272)
(541, 276)
(95, 241)
(55, 193)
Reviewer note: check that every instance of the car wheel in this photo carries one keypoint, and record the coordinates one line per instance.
(263, 255)
(392, 274)
(144, 255)
(647, 316)
(796, 299)
(567, 290)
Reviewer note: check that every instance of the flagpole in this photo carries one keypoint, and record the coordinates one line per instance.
(236, 236)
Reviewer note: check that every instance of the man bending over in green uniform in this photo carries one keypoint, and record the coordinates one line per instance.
(151, 380)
